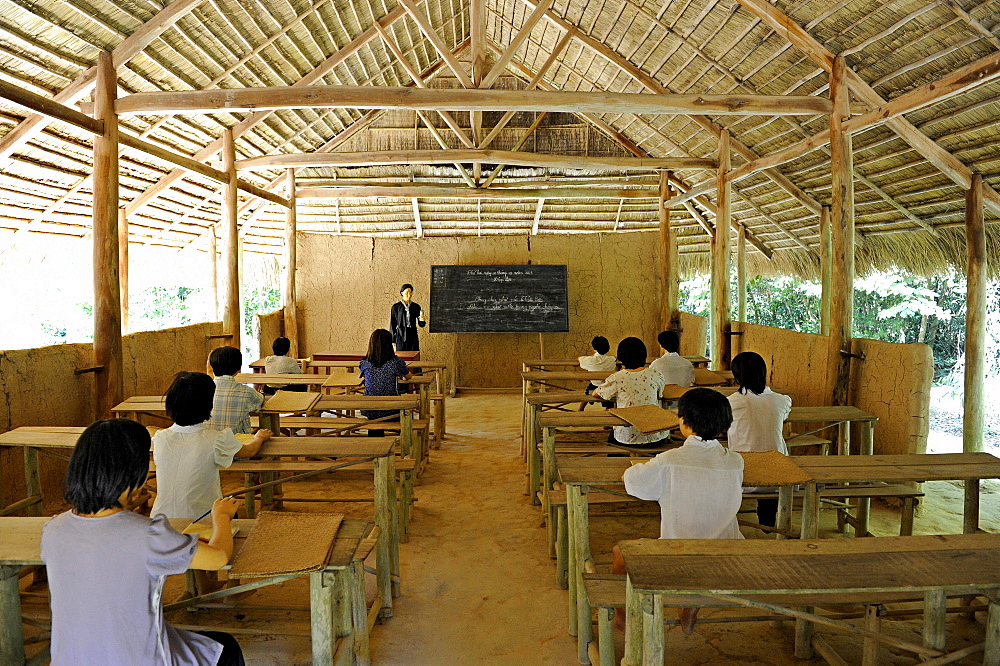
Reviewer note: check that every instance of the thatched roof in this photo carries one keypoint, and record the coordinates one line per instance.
(908, 212)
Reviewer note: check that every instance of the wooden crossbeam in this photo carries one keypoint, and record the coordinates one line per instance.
(435, 39)
(537, 14)
(376, 97)
(425, 192)
(514, 158)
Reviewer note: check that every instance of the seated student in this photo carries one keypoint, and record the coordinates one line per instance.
(233, 401)
(675, 368)
(599, 361)
(281, 363)
(106, 565)
(630, 387)
(381, 370)
(698, 485)
(758, 418)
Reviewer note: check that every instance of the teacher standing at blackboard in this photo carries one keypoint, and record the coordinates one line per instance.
(404, 319)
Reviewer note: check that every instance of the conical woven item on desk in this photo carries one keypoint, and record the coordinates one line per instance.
(770, 469)
(647, 419)
(285, 543)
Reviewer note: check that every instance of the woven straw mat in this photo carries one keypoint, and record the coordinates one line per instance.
(770, 469)
(647, 418)
(285, 543)
(290, 401)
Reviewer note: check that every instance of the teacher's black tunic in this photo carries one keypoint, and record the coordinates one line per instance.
(403, 325)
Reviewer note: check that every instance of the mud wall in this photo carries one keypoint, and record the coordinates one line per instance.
(348, 285)
(796, 362)
(269, 327)
(39, 387)
(893, 382)
(694, 335)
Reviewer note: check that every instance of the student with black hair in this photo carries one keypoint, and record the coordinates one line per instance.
(698, 485)
(281, 363)
(675, 368)
(106, 565)
(381, 370)
(233, 401)
(632, 386)
(758, 419)
(189, 453)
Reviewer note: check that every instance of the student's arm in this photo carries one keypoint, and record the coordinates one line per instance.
(403, 370)
(250, 450)
(607, 389)
(216, 553)
(645, 480)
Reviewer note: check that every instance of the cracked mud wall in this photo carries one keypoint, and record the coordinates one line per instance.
(269, 327)
(893, 382)
(347, 286)
(796, 362)
(694, 335)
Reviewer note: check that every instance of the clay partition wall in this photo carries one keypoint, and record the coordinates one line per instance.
(893, 382)
(796, 362)
(346, 287)
(269, 327)
(38, 387)
(694, 335)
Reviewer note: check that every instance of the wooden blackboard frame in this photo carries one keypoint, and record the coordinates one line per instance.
(499, 298)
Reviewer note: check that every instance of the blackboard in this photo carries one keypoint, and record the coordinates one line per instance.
(499, 299)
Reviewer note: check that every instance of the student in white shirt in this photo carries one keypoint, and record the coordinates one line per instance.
(698, 486)
(633, 386)
(599, 361)
(281, 363)
(675, 368)
(758, 418)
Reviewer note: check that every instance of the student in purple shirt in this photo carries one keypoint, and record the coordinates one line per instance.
(106, 565)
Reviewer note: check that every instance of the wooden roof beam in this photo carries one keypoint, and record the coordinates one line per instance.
(377, 97)
(435, 39)
(423, 192)
(537, 14)
(943, 160)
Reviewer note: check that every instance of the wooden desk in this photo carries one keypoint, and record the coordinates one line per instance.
(405, 404)
(258, 365)
(967, 467)
(578, 475)
(729, 570)
(345, 628)
(279, 379)
(530, 364)
(357, 356)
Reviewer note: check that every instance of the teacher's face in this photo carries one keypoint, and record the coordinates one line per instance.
(407, 294)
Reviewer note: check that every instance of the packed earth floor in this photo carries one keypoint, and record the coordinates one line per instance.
(478, 586)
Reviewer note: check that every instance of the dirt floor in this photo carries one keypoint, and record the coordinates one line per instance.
(478, 586)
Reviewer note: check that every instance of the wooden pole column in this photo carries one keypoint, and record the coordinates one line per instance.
(123, 265)
(230, 244)
(825, 264)
(668, 259)
(291, 316)
(213, 252)
(841, 235)
(741, 285)
(107, 291)
(721, 262)
(975, 319)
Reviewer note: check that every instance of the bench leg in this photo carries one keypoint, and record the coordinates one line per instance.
(652, 629)
(803, 636)
(405, 505)
(322, 586)
(534, 475)
(249, 498)
(359, 612)
(11, 632)
(784, 518)
(991, 656)
(935, 603)
(810, 513)
(571, 568)
(577, 497)
(971, 519)
(633, 626)
(385, 519)
(562, 548)
(606, 635)
(873, 622)
(906, 517)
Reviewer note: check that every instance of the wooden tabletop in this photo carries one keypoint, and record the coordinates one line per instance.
(290, 401)
(432, 365)
(904, 467)
(828, 413)
(141, 403)
(587, 418)
(38, 437)
(565, 375)
(600, 471)
(357, 356)
(341, 380)
(555, 397)
(762, 566)
(332, 402)
(329, 447)
(570, 362)
(279, 378)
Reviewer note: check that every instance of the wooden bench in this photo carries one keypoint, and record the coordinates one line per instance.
(795, 441)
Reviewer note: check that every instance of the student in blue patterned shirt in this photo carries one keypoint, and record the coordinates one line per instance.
(381, 369)
(233, 402)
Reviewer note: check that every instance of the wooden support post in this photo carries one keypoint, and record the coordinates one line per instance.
(668, 258)
(825, 269)
(359, 613)
(213, 252)
(11, 632)
(873, 622)
(230, 244)
(721, 262)
(935, 602)
(322, 617)
(741, 283)
(633, 626)
(291, 316)
(975, 319)
(123, 266)
(652, 629)
(107, 292)
(991, 655)
(842, 236)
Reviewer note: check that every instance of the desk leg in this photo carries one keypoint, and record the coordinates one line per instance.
(406, 439)
(971, 520)
(810, 512)
(577, 495)
(865, 503)
(784, 519)
(32, 479)
(528, 437)
(844, 439)
(652, 629)
(386, 520)
(633, 626)
(11, 635)
(547, 481)
(571, 509)
(535, 462)
(991, 656)
(803, 636)
(359, 613)
(322, 586)
(935, 602)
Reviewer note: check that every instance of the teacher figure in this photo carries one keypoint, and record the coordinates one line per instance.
(404, 319)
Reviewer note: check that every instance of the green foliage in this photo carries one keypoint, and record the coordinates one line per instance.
(257, 299)
(156, 308)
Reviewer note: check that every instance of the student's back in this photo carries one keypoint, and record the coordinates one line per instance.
(233, 401)
(675, 368)
(633, 386)
(381, 370)
(758, 412)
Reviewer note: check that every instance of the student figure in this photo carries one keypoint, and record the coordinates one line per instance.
(280, 363)
(758, 418)
(675, 368)
(381, 370)
(599, 361)
(404, 319)
(632, 386)
(698, 485)
(233, 401)
(106, 565)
